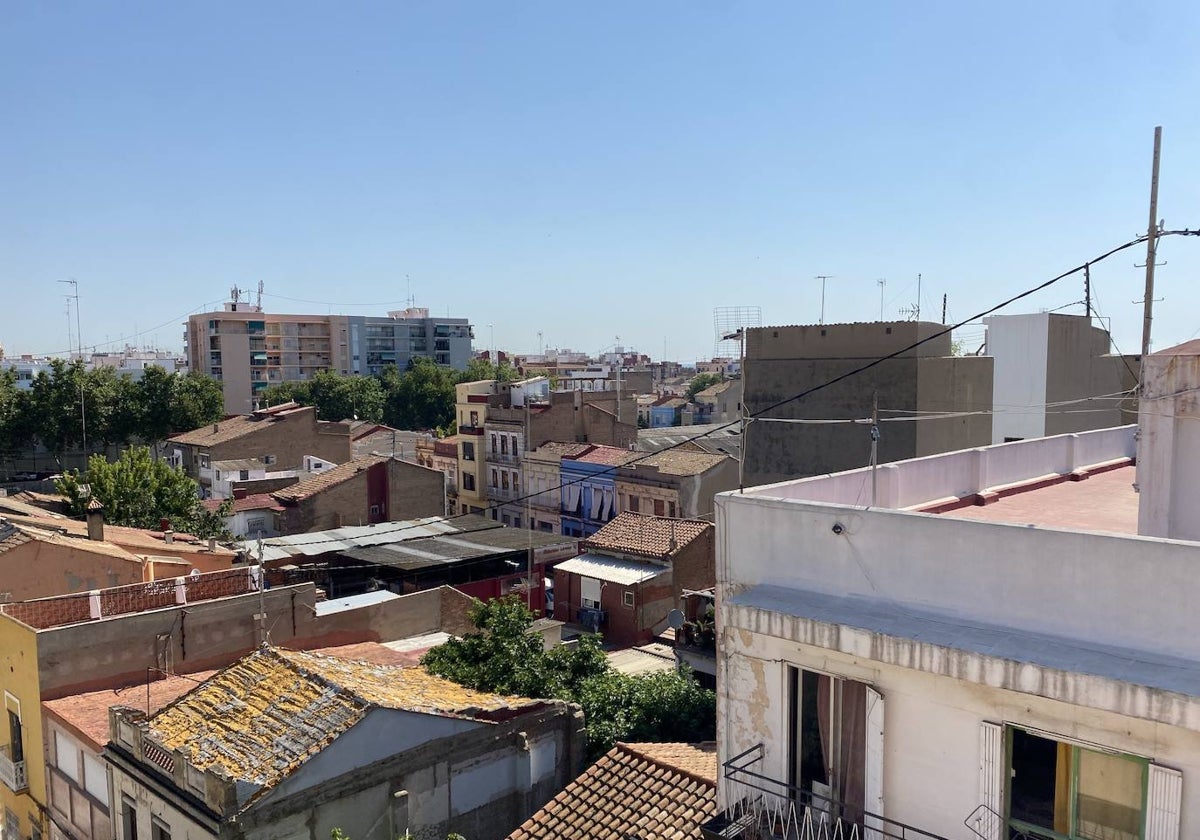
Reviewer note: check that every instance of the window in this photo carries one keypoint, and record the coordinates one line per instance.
(67, 756)
(159, 830)
(474, 418)
(493, 443)
(516, 522)
(12, 824)
(95, 780)
(503, 444)
(589, 593)
(633, 503)
(628, 598)
(1073, 791)
(468, 452)
(468, 482)
(128, 819)
(495, 476)
(671, 509)
(204, 461)
(660, 507)
(374, 510)
(835, 740)
(15, 740)
(243, 475)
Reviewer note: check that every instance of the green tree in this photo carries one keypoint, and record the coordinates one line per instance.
(701, 381)
(139, 491)
(196, 400)
(16, 428)
(479, 369)
(421, 397)
(54, 400)
(154, 405)
(340, 397)
(504, 657)
(299, 392)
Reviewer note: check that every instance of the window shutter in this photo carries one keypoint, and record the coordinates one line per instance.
(873, 799)
(988, 820)
(1164, 801)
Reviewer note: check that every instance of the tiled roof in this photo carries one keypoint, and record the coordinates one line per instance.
(647, 791)
(557, 449)
(269, 712)
(136, 540)
(683, 461)
(649, 536)
(87, 713)
(331, 477)
(235, 427)
(25, 533)
(255, 501)
(609, 455)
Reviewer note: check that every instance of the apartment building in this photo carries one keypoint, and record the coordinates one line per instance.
(675, 483)
(992, 643)
(249, 350)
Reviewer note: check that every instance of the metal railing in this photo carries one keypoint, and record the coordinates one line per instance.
(762, 807)
(12, 773)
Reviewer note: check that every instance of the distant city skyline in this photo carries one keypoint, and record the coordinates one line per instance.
(590, 172)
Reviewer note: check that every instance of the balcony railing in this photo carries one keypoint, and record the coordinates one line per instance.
(12, 773)
(504, 458)
(761, 807)
(504, 494)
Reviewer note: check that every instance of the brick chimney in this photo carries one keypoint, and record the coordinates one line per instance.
(95, 520)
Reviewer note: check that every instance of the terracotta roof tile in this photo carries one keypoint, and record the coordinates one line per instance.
(235, 427)
(331, 477)
(255, 501)
(87, 713)
(135, 540)
(269, 712)
(684, 461)
(649, 791)
(558, 449)
(609, 455)
(649, 536)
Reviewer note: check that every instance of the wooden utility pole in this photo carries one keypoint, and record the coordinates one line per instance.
(1151, 246)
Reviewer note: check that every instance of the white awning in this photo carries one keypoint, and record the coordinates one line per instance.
(610, 569)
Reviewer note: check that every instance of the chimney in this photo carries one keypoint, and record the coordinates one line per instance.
(216, 428)
(169, 537)
(212, 544)
(95, 520)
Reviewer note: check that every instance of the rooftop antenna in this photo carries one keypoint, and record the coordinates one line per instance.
(260, 294)
(235, 294)
(823, 278)
(881, 282)
(541, 344)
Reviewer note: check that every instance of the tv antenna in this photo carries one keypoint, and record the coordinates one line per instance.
(823, 278)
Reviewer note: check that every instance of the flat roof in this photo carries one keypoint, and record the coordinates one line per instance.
(354, 602)
(1104, 502)
(446, 549)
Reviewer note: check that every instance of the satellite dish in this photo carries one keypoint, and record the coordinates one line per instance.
(675, 619)
(194, 573)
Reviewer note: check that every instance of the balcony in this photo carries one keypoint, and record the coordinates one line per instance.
(504, 494)
(762, 807)
(509, 458)
(12, 773)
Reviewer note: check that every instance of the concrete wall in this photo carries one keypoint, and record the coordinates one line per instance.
(288, 436)
(931, 744)
(1018, 343)
(40, 568)
(481, 781)
(1168, 444)
(996, 574)
(867, 340)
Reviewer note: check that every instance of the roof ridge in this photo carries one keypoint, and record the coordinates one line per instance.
(632, 749)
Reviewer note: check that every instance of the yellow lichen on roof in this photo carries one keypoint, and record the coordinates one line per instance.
(256, 720)
(413, 689)
(266, 714)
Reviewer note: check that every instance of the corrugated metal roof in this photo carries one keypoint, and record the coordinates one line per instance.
(611, 569)
(359, 536)
(452, 548)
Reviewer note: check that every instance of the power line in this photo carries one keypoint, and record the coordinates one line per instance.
(121, 338)
(808, 391)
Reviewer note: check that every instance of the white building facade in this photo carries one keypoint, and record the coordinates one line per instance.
(899, 658)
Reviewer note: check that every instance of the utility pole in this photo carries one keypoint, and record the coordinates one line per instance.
(881, 282)
(874, 447)
(823, 278)
(1087, 291)
(944, 295)
(1151, 246)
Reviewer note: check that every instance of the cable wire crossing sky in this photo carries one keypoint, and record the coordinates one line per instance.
(571, 173)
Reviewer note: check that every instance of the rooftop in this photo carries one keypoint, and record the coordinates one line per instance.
(429, 551)
(556, 449)
(607, 455)
(644, 791)
(648, 536)
(265, 715)
(332, 477)
(1105, 502)
(725, 438)
(232, 428)
(683, 462)
(254, 501)
(87, 714)
(135, 540)
(357, 536)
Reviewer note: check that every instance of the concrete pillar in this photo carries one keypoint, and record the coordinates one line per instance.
(180, 590)
(94, 603)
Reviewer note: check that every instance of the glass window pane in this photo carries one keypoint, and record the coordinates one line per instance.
(1109, 799)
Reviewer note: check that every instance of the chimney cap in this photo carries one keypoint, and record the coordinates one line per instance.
(95, 506)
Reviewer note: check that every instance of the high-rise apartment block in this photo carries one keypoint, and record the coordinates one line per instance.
(249, 350)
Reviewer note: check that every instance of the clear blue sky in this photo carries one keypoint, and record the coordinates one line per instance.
(589, 170)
